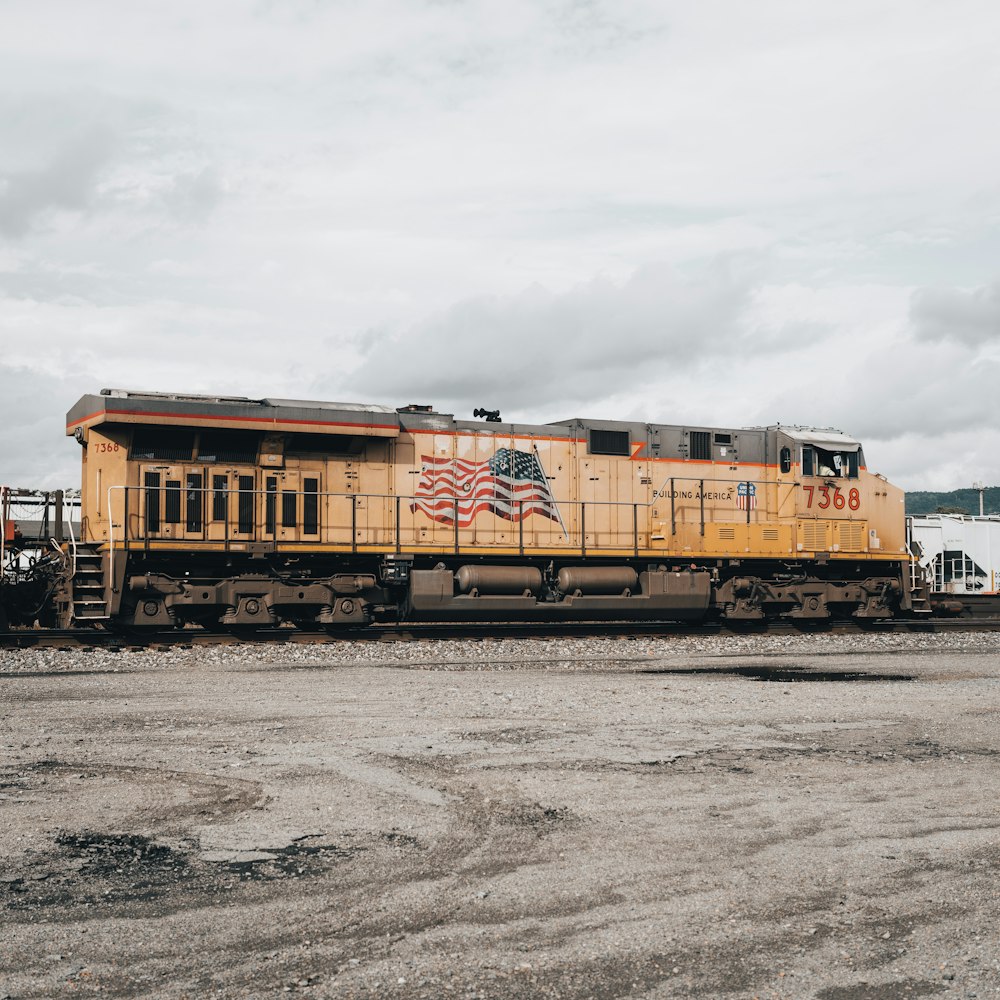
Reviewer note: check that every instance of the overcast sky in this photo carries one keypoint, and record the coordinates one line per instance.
(717, 212)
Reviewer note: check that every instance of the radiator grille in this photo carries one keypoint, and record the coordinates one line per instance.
(172, 502)
(289, 509)
(219, 486)
(815, 535)
(701, 446)
(152, 483)
(245, 505)
(609, 442)
(727, 534)
(310, 507)
(769, 534)
(271, 505)
(852, 535)
(195, 501)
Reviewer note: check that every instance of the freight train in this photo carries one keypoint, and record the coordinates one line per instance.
(32, 564)
(247, 513)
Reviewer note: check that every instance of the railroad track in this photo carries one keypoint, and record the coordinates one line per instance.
(181, 638)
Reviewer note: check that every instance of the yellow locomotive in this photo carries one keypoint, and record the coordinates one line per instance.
(243, 512)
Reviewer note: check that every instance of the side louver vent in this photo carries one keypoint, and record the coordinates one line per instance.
(815, 536)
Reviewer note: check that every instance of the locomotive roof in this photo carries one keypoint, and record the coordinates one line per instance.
(313, 416)
(368, 419)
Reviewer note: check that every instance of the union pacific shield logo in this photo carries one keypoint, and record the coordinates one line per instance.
(746, 496)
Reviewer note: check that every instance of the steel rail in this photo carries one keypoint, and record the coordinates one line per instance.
(477, 631)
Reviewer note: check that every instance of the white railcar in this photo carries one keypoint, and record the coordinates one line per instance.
(959, 554)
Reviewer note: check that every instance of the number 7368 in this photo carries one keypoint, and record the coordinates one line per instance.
(832, 496)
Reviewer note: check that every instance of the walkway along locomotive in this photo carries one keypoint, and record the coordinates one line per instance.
(243, 512)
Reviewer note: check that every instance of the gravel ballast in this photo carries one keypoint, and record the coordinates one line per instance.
(804, 816)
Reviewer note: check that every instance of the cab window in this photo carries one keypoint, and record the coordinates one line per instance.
(818, 461)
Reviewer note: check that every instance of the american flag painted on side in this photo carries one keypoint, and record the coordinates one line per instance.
(511, 484)
(746, 496)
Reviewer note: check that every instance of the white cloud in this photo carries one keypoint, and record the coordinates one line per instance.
(68, 181)
(965, 316)
(678, 211)
(36, 453)
(536, 349)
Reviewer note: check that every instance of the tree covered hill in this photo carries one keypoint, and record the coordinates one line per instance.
(957, 502)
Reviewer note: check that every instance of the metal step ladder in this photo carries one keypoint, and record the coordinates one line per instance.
(89, 591)
(920, 603)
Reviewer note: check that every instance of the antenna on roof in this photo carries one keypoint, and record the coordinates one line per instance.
(981, 490)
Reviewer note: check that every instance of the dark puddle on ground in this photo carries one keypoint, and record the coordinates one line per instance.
(535, 816)
(296, 860)
(783, 674)
(89, 868)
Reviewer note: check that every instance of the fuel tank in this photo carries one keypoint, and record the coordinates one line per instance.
(586, 580)
(499, 579)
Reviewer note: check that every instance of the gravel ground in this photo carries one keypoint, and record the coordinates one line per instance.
(791, 817)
